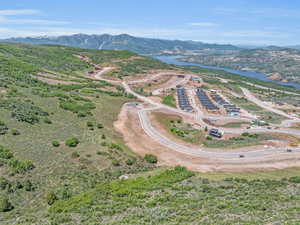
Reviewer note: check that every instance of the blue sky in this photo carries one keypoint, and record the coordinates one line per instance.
(254, 22)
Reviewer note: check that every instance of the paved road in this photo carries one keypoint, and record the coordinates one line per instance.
(258, 155)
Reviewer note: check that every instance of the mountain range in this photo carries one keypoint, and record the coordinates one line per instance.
(126, 42)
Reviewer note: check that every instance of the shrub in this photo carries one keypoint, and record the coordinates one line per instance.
(209, 138)
(77, 106)
(245, 134)
(20, 166)
(75, 155)
(5, 153)
(72, 142)
(3, 183)
(150, 158)
(103, 136)
(15, 132)
(100, 126)
(90, 124)
(116, 162)
(51, 197)
(130, 162)
(55, 143)
(116, 146)
(295, 180)
(48, 121)
(103, 143)
(82, 114)
(24, 111)
(5, 205)
(18, 185)
(28, 185)
(3, 128)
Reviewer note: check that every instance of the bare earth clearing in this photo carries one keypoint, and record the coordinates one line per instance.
(128, 125)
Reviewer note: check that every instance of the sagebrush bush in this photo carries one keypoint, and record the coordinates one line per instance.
(5, 204)
(72, 142)
(3, 128)
(15, 132)
(55, 143)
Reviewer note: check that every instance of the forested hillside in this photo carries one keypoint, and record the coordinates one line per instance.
(125, 42)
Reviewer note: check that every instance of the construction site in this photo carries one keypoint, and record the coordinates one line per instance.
(211, 132)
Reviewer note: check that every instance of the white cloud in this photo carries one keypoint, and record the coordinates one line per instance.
(254, 34)
(5, 20)
(260, 12)
(203, 24)
(16, 12)
(204, 31)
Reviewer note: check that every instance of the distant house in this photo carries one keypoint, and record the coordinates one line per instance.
(216, 133)
(233, 113)
(196, 79)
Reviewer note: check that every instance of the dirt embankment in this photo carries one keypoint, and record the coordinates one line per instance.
(275, 76)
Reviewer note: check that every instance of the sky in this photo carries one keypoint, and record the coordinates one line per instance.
(240, 22)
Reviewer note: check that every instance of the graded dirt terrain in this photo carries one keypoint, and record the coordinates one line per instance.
(139, 142)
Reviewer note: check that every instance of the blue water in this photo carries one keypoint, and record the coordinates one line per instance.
(173, 60)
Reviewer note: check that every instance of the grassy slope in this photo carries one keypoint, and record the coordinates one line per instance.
(57, 169)
(169, 100)
(85, 184)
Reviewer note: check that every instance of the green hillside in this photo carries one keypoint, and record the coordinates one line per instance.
(61, 159)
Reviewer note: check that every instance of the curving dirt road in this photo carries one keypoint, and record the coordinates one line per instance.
(264, 105)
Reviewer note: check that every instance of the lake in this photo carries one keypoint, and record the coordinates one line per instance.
(174, 60)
